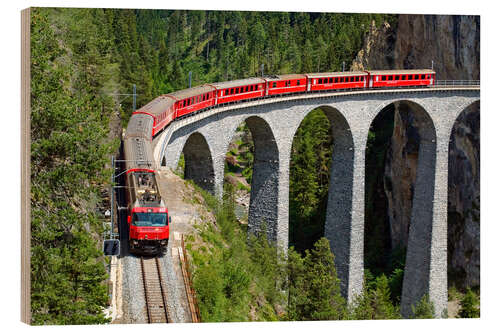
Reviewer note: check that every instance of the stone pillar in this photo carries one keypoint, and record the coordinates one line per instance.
(265, 179)
(344, 225)
(423, 236)
(282, 227)
(438, 275)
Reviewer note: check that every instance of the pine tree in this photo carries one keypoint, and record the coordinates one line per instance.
(469, 305)
(314, 289)
(424, 309)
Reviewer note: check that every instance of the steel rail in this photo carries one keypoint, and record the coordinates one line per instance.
(153, 285)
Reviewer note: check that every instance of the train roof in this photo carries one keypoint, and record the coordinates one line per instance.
(190, 92)
(315, 75)
(139, 153)
(402, 71)
(285, 77)
(157, 105)
(139, 125)
(238, 83)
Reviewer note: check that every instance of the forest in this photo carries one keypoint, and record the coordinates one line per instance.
(82, 60)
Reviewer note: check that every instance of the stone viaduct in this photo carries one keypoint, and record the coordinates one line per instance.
(204, 138)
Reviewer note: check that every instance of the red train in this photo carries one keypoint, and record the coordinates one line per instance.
(147, 214)
(167, 108)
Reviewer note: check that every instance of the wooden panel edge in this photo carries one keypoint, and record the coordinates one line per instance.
(25, 166)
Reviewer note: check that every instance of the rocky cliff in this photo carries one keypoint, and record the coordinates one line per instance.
(452, 44)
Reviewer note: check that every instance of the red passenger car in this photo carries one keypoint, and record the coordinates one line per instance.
(234, 91)
(336, 80)
(161, 109)
(402, 78)
(193, 99)
(285, 84)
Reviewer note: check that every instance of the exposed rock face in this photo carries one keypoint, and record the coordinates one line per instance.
(463, 200)
(400, 173)
(452, 42)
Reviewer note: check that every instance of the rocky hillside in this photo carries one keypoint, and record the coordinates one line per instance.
(452, 42)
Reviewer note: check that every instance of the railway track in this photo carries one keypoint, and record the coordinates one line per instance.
(154, 291)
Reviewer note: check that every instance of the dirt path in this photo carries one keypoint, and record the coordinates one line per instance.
(183, 207)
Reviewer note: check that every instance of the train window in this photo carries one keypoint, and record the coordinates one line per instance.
(274, 84)
(396, 77)
(330, 80)
(298, 82)
(336, 80)
(320, 81)
(383, 78)
(232, 91)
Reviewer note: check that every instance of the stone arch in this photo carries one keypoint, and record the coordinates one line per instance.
(265, 178)
(198, 162)
(422, 230)
(464, 198)
(338, 220)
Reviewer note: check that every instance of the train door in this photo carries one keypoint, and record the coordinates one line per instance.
(371, 81)
(308, 84)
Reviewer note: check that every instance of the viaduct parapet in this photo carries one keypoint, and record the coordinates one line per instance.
(204, 138)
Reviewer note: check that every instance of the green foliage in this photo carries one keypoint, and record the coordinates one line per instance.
(231, 274)
(314, 289)
(309, 179)
(70, 67)
(375, 301)
(424, 309)
(469, 305)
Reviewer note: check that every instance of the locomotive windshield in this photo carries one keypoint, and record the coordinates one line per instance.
(149, 219)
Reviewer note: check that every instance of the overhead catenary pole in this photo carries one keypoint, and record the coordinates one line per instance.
(190, 75)
(134, 99)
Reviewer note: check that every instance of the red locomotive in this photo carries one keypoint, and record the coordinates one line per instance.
(148, 216)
